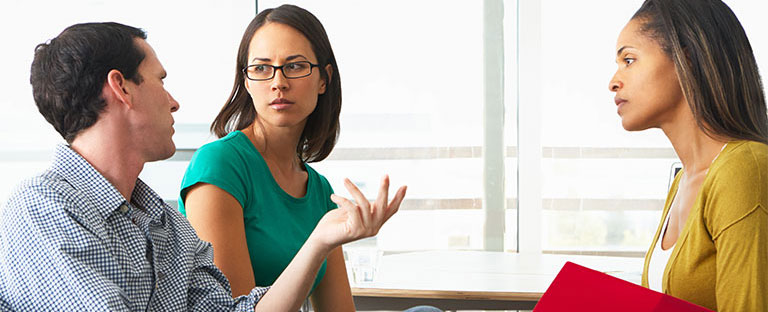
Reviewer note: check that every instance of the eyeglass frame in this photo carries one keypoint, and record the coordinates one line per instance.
(275, 68)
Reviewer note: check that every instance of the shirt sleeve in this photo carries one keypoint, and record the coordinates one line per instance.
(210, 290)
(217, 165)
(50, 259)
(47, 259)
(328, 190)
(737, 220)
(742, 263)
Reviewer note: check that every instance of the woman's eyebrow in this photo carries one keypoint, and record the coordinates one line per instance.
(295, 56)
(289, 58)
(622, 49)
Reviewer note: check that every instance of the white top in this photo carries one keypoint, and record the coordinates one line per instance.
(659, 259)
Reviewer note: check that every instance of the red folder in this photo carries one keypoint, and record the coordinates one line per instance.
(577, 288)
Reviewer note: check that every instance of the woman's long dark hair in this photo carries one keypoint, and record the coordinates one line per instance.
(322, 127)
(714, 63)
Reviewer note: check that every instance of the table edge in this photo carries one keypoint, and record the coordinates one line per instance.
(445, 294)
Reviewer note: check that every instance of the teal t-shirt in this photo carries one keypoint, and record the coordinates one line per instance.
(276, 223)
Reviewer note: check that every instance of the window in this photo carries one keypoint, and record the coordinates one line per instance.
(602, 188)
(177, 33)
(416, 76)
(412, 76)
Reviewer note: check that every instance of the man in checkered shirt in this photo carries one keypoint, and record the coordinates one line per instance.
(88, 235)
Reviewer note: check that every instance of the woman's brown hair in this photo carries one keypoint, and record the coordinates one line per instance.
(714, 63)
(322, 127)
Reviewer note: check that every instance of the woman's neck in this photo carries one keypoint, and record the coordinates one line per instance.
(693, 146)
(277, 145)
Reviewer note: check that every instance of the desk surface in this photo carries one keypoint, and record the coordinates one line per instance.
(484, 279)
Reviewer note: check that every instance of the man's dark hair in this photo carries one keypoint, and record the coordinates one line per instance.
(69, 72)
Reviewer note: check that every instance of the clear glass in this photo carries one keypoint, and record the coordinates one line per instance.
(363, 263)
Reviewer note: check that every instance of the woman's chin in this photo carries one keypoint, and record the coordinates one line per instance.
(632, 126)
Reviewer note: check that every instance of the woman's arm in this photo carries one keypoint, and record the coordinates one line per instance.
(218, 218)
(742, 263)
(333, 292)
(350, 222)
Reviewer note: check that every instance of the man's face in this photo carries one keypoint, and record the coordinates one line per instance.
(150, 118)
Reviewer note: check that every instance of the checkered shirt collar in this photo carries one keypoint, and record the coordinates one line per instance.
(97, 189)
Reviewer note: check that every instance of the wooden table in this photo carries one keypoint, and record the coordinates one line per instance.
(476, 280)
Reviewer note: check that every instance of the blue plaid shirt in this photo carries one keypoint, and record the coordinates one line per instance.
(70, 241)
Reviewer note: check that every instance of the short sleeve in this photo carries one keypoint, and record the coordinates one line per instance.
(327, 191)
(219, 164)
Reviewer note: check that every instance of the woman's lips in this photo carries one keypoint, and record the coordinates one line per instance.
(619, 103)
(280, 103)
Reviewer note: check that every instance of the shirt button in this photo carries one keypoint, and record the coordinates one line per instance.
(124, 208)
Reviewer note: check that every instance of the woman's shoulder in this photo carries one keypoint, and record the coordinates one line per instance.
(748, 149)
(225, 148)
(225, 156)
(739, 182)
(221, 163)
(230, 141)
(319, 178)
(743, 162)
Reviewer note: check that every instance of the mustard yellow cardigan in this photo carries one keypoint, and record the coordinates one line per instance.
(720, 260)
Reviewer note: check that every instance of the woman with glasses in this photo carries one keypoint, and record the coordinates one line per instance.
(686, 67)
(251, 193)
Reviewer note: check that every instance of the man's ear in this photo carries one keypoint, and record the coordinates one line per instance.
(117, 88)
(324, 82)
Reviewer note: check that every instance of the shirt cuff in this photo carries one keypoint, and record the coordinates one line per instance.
(248, 302)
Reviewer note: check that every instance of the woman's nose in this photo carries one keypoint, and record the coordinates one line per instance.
(614, 85)
(279, 82)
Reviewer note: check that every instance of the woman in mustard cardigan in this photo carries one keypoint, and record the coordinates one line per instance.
(686, 67)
